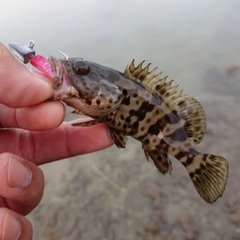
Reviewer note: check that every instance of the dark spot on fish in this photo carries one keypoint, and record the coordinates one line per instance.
(141, 115)
(135, 95)
(137, 102)
(148, 120)
(128, 119)
(122, 117)
(157, 112)
(108, 107)
(142, 129)
(140, 138)
(202, 166)
(167, 130)
(158, 87)
(175, 112)
(163, 145)
(211, 157)
(124, 126)
(132, 132)
(180, 103)
(198, 171)
(180, 155)
(154, 129)
(135, 124)
(119, 124)
(165, 164)
(125, 92)
(155, 152)
(197, 128)
(144, 108)
(102, 95)
(141, 78)
(110, 100)
(146, 142)
(167, 94)
(132, 112)
(165, 155)
(89, 102)
(162, 91)
(204, 157)
(189, 161)
(126, 101)
(191, 174)
(98, 101)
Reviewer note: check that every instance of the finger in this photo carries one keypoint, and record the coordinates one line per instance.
(21, 183)
(14, 226)
(44, 116)
(20, 87)
(62, 142)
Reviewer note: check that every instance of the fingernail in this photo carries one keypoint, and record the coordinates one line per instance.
(19, 176)
(11, 228)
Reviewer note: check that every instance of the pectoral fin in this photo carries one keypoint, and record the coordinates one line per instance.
(95, 121)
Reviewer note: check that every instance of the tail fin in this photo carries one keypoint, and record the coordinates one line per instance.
(209, 175)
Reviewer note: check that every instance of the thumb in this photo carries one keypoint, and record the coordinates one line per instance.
(18, 86)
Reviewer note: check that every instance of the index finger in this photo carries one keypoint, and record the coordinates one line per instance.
(62, 142)
(20, 87)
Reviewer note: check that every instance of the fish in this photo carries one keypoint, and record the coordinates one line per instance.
(142, 104)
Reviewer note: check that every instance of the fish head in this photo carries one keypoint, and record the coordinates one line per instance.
(83, 86)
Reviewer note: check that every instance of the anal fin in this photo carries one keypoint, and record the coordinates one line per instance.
(119, 138)
(160, 159)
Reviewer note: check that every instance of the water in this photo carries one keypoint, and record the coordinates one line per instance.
(194, 42)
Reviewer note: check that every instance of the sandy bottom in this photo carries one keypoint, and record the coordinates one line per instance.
(117, 195)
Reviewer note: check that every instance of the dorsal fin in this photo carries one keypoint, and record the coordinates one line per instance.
(188, 109)
(195, 119)
(156, 84)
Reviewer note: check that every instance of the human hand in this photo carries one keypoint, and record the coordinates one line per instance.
(32, 133)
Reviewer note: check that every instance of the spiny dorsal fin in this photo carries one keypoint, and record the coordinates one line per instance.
(155, 83)
(188, 109)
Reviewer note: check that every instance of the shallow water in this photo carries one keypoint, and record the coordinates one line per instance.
(196, 43)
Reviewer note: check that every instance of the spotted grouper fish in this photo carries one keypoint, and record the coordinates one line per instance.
(142, 104)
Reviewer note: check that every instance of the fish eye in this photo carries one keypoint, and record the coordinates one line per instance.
(80, 67)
